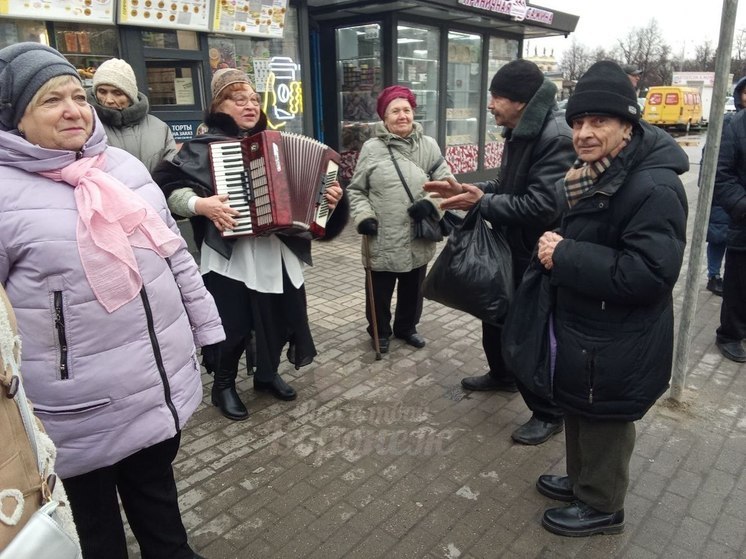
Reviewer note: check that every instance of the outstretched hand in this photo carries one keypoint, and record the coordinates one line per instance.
(456, 196)
(444, 189)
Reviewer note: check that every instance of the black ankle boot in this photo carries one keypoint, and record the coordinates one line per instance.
(225, 397)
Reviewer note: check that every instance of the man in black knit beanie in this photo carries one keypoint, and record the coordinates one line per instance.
(523, 201)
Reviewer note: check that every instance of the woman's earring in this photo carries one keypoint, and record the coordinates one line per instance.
(21, 132)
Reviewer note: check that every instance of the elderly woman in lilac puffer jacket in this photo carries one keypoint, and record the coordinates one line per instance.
(110, 306)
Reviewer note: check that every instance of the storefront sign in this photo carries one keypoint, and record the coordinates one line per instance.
(256, 18)
(85, 11)
(165, 14)
(517, 9)
(183, 130)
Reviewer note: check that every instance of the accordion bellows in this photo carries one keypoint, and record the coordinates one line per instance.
(276, 181)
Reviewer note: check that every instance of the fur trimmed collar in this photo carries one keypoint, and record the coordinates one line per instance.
(535, 113)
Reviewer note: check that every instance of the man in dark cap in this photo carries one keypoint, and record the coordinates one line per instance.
(613, 263)
(634, 74)
(523, 201)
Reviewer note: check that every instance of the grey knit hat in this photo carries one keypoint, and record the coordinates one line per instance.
(117, 73)
(24, 68)
(225, 77)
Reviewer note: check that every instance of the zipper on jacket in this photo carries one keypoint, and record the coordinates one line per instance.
(59, 324)
(159, 357)
(590, 365)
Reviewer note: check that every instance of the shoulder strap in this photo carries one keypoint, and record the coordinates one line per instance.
(401, 176)
(434, 166)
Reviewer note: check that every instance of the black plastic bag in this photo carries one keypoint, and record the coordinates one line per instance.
(474, 271)
(528, 343)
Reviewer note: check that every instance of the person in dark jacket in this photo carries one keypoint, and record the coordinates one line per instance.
(613, 263)
(730, 194)
(524, 201)
(717, 227)
(123, 110)
(257, 282)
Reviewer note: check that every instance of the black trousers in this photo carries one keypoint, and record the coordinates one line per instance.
(145, 484)
(543, 409)
(274, 319)
(598, 455)
(408, 302)
(733, 308)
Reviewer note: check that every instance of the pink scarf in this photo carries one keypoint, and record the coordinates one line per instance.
(111, 220)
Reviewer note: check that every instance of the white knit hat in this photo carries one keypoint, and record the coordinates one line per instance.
(119, 74)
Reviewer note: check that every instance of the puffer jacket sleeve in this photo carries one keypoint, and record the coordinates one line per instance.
(200, 307)
(643, 267)
(359, 187)
(539, 204)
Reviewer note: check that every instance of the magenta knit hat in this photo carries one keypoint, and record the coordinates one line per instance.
(393, 92)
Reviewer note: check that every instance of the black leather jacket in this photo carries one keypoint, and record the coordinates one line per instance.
(526, 199)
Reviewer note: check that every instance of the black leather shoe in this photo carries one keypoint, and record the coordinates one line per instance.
(579, 519)
(535, 431)
(277, 387)
(230, 405)
(484, 383)
(415, 340)
(383, 345)
(715, 285)
(558, 488)
(732, 350)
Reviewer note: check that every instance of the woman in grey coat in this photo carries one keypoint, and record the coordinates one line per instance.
(384, 213)
(123, 110)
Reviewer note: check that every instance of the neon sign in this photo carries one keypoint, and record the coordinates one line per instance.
(283, 98)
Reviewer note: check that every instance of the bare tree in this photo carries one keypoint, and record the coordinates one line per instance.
(704, 57)
(575, 61)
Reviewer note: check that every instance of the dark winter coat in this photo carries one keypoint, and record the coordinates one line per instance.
(614, 273)
(525, 199)
(717, 227)
(730, 179)
(191, 168)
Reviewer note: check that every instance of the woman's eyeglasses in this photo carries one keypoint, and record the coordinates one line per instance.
(243, 100)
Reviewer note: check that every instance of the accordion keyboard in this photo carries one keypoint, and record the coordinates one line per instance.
(231, 178)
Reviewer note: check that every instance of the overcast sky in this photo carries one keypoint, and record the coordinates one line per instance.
(683, 24)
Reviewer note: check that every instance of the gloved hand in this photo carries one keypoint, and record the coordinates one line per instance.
(421, 209)
(211, 357)
(368, 226)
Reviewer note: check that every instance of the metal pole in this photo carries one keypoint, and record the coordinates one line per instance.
(701, 218)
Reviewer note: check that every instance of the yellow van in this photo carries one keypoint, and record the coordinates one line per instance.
(673, 106)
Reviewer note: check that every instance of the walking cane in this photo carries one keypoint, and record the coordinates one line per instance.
(371, 300)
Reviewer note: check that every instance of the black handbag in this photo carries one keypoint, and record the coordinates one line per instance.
(431, 228)
(529, 347)
(474, 271)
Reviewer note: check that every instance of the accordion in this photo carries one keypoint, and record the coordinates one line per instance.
(276, 181)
